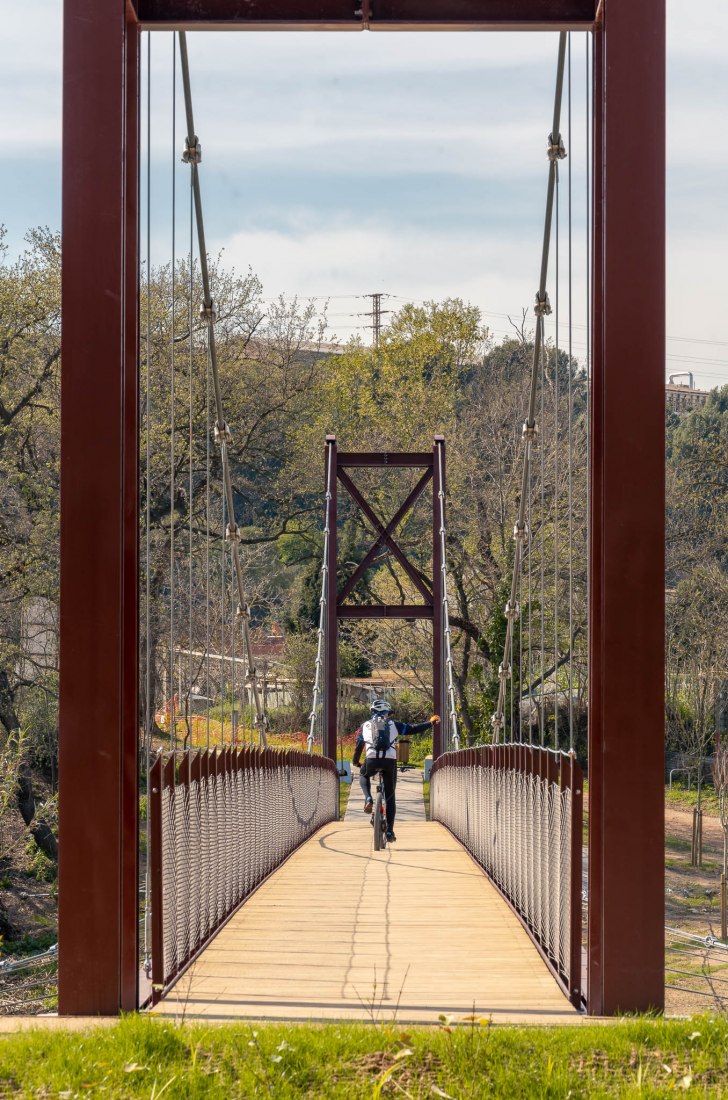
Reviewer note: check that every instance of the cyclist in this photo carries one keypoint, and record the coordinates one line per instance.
(366, 743)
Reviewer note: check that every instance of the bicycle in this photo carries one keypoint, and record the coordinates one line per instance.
(379, 816)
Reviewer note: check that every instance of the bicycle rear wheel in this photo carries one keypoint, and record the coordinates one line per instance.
(380, 838)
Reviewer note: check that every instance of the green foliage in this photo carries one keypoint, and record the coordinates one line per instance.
(32, 944)
(420, 747)
(39, 866)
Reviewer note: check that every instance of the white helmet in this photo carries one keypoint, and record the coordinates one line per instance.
(380, 706)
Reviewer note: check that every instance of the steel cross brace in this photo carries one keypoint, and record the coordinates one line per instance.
(385, 536)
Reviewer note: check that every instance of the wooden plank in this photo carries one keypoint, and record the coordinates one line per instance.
(342, 932)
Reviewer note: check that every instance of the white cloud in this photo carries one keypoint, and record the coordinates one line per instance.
(497, 272)
(389, 110)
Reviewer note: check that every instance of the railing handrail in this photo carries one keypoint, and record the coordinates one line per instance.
(538, 819)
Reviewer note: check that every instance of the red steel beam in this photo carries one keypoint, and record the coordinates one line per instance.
(129, 976)
(626, 750)
(397, 459)
(98, 731)
(439, 701)
(385, 611)
(511, 15)
(331, 663)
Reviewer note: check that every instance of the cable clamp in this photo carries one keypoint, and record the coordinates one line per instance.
(232, 533)
(556, 150)
(207, 313)
(542, 306)
(530, 431)
(192, 153)
(242, 612)
(504, 671)
(521, 532)
(512, 610)
(497, 722)
(224, 436)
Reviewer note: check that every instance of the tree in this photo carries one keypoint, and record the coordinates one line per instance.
(29, 483)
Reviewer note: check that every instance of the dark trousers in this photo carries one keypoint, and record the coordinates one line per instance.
(388, 769)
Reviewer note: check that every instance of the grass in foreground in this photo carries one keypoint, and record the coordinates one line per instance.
(148, 1058)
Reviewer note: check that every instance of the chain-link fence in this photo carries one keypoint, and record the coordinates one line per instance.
(220, 823)
(518, 811)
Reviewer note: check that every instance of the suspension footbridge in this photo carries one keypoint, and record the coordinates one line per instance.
(256, 899)
(337, 933)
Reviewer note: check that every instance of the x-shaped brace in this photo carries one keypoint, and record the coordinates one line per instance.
(384, 536)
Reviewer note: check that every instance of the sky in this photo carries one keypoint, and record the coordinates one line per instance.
(337, 165)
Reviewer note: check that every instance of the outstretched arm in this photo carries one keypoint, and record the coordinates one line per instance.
(403, 728)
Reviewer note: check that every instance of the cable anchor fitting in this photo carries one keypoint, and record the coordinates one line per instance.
(192, 153)
(530, 431)
(542, 306)
(521, 532)
(556, 150)
(232, 534)
(512, 610)
(223, 436)
(208, 313)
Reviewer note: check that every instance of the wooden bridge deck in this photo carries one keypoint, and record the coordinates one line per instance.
(342, 932)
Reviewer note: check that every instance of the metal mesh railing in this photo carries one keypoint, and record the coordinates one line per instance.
(518, 811)
(220, 823)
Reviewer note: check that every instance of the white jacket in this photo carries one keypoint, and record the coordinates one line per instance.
(369, 734)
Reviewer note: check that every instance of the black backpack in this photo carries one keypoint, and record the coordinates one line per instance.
(381, 740)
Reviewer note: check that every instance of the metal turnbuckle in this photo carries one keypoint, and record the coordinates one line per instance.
(192, 153)
(556, 150)
(542, 306)
(223, 435)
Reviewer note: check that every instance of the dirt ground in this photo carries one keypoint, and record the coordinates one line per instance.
(692, 904)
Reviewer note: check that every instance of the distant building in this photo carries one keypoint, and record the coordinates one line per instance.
(682, 397)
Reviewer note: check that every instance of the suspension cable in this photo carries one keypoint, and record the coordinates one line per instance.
(454, 735)
(172, 442)
(571, 419)
(148, 715)
(542, 308)
(557, 488)
(190, 535)
(223, 437)
(542, 698)
(320, 653)
(588, 330)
